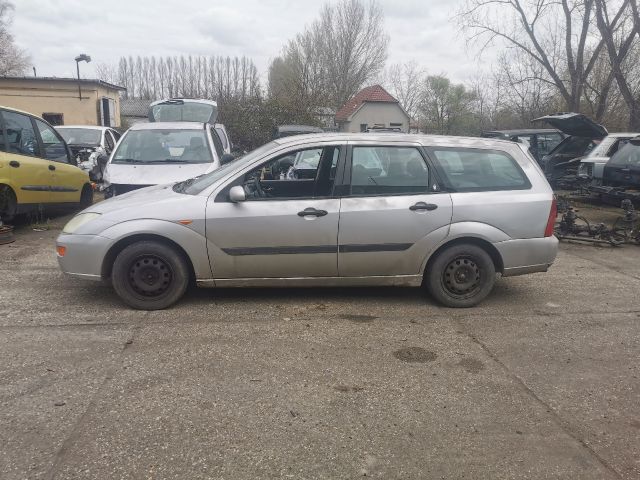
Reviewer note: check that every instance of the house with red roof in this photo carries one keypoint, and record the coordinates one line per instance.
(372, 107)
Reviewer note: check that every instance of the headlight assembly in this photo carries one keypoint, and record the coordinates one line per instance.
(76, 222)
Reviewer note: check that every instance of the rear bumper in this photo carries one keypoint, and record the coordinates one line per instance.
(84, 255)
(530, 255)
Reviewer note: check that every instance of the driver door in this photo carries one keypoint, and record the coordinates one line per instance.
(288, 225)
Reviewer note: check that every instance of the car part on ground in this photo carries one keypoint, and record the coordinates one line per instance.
(628, 225)
(576, 227)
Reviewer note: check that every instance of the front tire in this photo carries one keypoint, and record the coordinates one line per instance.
(150, 275)
(86, 197)
(461, 276)
(8, 204)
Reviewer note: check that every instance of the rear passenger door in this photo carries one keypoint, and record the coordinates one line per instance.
(392, 212)
(66, 179)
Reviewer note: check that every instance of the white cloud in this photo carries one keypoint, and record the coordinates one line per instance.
(55, 31)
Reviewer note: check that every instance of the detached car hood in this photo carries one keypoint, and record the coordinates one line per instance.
(575, 124)
(154, 174)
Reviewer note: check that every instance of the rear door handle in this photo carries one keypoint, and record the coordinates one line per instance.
(14, 164)
(423, 206)
(52, 167)
(312, 212)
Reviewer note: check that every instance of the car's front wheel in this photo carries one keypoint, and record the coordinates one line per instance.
(461, 276)
(149, 275)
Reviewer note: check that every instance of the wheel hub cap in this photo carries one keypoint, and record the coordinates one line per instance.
(150, 276)
(462, 276)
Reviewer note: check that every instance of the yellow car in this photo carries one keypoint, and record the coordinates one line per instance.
(36, 167)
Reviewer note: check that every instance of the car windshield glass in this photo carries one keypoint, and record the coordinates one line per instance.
(163, 146)
(80, 136)
(179, 111)
(197, 185)
(627, 156)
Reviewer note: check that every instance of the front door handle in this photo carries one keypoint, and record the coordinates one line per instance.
(312, 212)
(52, 167)
(14, 164)
(423, 206)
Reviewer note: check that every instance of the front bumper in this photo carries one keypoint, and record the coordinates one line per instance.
(84, 255)
(528, 255)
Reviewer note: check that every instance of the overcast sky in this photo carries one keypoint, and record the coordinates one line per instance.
(55, 31)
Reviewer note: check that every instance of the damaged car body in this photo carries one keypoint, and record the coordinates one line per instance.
(446, 213)
(562, 163)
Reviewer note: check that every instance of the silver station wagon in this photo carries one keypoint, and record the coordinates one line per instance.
(443, 213)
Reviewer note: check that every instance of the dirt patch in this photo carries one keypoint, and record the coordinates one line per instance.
(471, 365)
(348, 388)
(359, 318)
(415, 355)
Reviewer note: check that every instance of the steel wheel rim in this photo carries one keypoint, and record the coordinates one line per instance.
(461, 277)
(150, 276)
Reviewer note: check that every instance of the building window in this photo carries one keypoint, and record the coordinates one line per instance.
(54, 118)
(363, 127)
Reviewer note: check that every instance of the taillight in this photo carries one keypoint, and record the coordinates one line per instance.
(552, 218)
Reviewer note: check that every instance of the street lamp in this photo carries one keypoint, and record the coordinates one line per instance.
(83, 57)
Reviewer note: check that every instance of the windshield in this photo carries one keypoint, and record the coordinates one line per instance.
(163, 146)
(198, 184)
(81, 136)
(180, 111)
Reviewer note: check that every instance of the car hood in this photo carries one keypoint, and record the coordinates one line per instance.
(155, 174)
(575, 124)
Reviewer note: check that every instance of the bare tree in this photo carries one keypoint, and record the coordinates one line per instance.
(619, 44)
(406, 82)
(13, 60)
(556, 34)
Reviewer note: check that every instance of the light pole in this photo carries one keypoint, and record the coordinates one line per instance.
(83, 57)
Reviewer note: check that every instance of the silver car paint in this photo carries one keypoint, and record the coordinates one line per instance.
(513, 222)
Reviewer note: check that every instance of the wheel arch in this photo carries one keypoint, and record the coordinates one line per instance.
(12, 192)
(116, 248)
(479, 242)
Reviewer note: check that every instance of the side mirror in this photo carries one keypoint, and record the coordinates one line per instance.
(227, 158)
(237, 194)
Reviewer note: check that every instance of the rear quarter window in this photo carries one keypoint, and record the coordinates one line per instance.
(475, 170)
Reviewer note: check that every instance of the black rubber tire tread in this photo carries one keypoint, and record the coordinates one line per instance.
(86, 197)
(8, 204)
(123, 263)
(434, 276)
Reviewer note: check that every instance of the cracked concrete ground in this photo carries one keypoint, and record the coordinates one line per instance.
(540, 381)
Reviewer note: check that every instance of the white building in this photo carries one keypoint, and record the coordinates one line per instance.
(372, 107)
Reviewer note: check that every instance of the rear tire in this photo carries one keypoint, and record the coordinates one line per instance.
(8, 204)
(461, 276)
(150, 275)
(86, 197)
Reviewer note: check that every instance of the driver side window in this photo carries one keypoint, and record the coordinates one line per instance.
(306, 173)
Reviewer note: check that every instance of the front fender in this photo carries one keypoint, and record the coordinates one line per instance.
(190, 238)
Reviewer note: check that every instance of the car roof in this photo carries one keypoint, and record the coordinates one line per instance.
(169, 126)
(389, 137)
(11, 109)
(624, 134)
(88, 127)
(523, 131)
(185, 100)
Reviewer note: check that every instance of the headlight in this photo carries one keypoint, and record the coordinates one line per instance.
(76, 222)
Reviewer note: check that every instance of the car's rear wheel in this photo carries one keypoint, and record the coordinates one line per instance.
(86, 197)
(150, 275)
(461, 276)
(8, 204)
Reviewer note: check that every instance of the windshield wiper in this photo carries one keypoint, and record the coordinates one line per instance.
(126, 160)
(166, 160)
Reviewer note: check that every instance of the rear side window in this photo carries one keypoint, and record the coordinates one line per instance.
(388, 171)
(471, 170)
